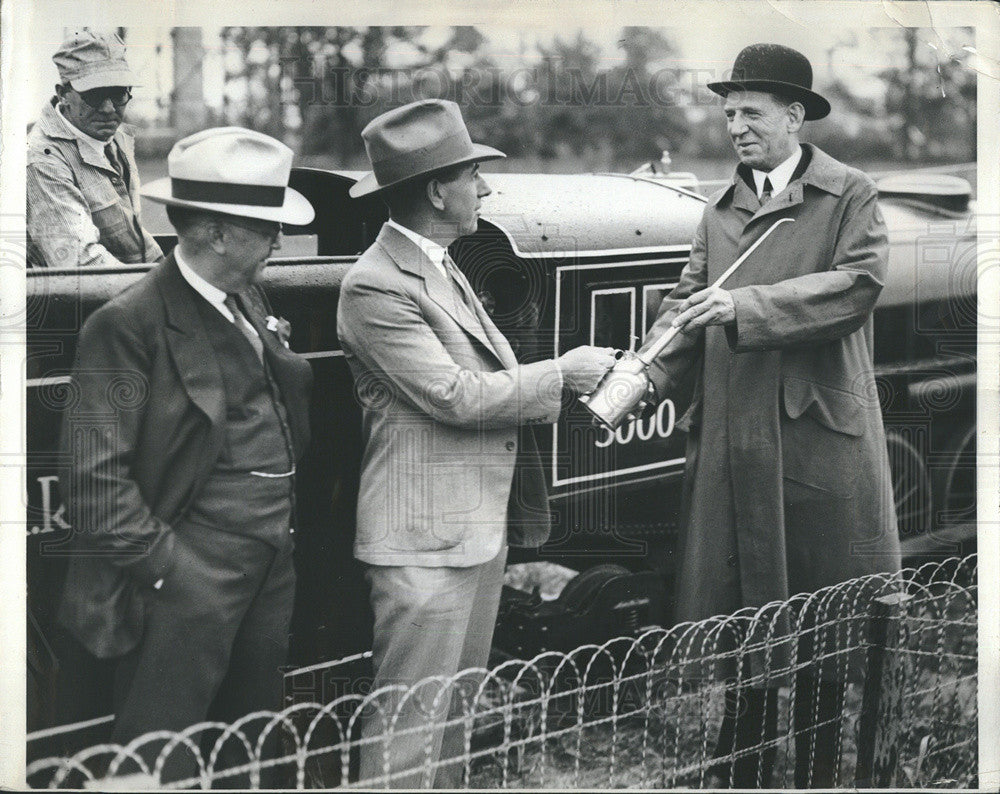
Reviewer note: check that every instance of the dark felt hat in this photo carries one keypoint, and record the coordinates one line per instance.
(777, 70)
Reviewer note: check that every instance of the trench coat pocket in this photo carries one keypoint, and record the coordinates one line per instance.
(820, 441)
(691, 418)
(836, 409)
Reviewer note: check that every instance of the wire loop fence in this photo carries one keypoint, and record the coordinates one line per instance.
(871, 682)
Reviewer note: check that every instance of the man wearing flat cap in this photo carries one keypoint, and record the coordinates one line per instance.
(189, 415)
(82, 180)
(787, 484)
(447, 478)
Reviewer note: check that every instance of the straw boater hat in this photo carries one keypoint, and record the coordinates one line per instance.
(414, 140)
(777, 70)
(88, 60)
(233, 171)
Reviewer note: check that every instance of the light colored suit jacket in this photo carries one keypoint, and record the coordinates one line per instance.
(443, 399)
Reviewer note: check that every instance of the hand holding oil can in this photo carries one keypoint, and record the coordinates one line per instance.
(627, 384)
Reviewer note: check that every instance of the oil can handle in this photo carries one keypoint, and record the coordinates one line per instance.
(649, 355)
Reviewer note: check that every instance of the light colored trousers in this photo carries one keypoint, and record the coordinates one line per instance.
(428, 622)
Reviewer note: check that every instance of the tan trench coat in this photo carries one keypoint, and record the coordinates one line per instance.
(787, 484)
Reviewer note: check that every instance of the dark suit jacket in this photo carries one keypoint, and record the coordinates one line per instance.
(144, 427)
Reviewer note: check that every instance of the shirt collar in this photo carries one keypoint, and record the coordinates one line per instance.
(209, 292)
(436, 253)
(780, 176)
(91, 143)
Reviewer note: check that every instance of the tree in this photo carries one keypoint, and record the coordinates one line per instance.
(931, 99)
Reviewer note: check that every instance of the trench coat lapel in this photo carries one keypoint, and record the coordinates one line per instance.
(410, 258)
(189, 345)
(822, 172)
(743, 197)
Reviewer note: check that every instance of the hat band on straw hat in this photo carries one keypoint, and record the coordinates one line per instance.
(227, 193)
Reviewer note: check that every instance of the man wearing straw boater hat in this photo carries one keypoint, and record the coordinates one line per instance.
(447, 479)
(82, 180)
(787, 484)
(190, 412)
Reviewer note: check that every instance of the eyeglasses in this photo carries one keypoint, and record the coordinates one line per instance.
(96, 97)
(271, 231)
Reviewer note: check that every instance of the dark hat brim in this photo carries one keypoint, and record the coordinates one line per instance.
(816, 106)
(369, 185)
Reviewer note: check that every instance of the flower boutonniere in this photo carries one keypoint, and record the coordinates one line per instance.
(280, 327)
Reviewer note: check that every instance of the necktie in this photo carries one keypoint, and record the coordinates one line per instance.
(499, 342)
(460, 283)
(109, 152)
(120, 164)
(240, 321)
(765, 194)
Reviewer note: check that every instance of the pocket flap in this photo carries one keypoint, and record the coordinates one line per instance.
(834, 408)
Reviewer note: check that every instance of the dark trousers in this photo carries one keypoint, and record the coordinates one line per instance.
(215, 639)
(751, 718)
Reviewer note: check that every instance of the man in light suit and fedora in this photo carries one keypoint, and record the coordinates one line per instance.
(447, 479)
(190, 414)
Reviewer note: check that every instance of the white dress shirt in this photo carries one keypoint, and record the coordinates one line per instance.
(436, 253)
(209, 292)
(780, 176)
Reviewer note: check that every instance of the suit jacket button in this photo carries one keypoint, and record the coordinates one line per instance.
(511, 446)
(732, 561)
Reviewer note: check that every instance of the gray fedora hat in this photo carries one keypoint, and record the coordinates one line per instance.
(775, 69)
(417, 139)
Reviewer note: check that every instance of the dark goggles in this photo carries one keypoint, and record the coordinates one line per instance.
(96, 97)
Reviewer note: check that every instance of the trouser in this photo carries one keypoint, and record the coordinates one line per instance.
(751, 718)
(428, 622)
(215, 640)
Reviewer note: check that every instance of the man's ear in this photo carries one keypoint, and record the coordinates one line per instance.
(796, 116)
(434, 195)
(215, 234)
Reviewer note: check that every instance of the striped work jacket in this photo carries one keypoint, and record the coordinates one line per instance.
(80, 210)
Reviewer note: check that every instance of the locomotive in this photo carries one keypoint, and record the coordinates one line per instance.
(558, 260)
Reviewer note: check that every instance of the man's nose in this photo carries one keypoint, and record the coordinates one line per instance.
(737, 125)
(107, 106)
(482, 189)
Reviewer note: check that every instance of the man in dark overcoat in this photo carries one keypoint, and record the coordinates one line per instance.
(189, 414)
(787, 482)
